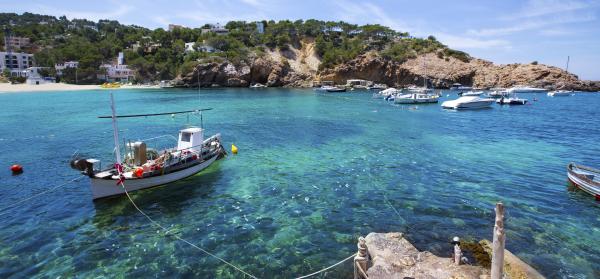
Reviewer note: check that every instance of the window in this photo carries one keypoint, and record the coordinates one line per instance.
(187, 137)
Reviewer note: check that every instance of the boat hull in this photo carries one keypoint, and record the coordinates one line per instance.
(414, 101)
(468, 105)
(589, 186)
(102, 188)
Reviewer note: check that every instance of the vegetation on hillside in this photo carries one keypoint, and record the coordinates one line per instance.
(159, 54)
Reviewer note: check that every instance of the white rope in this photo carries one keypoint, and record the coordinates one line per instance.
(181, 239)
(327, 268)
(40, 193)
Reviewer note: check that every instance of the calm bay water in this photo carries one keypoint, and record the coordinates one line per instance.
(314, 172)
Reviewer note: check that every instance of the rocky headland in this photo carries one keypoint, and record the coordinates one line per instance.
(298, 67)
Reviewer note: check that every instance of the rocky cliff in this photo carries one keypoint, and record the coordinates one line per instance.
(298, 68)
(443, 72)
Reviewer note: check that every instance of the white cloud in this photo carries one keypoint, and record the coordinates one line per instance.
(463, 42)
(534, 24)
(536, 8)
(115, 10)
(367, 12)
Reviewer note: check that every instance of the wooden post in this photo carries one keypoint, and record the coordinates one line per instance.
(457, 251)
(360, 260)
(498, 244)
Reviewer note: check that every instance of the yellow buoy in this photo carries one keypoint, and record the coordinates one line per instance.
(234, 149)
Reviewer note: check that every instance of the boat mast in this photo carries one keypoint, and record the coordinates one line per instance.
(424, 74)
(567, 69)
(115, 129)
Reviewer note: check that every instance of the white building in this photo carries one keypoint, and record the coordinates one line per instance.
(119, 73)
(16, 62)
(35, 78)
(62, 66)
(189, 47)
(217, 29)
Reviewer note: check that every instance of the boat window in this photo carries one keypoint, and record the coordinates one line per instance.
(186, 137)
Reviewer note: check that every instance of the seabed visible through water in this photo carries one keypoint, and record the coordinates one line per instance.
(314, 172)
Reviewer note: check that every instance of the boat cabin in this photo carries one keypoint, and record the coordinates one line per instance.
(191, 139)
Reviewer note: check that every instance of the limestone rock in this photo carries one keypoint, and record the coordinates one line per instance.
(392, 256)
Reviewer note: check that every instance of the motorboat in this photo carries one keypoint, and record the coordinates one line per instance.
(166, 84)
(468, 102)
(471, 93)
(511, 99)
(497, 94)
(458, 86)
(378, 86)
(585, 178)
(144, 167)
(386, 93)
(416, 98)
(561, 93)
(336, 89)
(258, 85)
(526, 89)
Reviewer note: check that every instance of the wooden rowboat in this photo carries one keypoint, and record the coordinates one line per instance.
(585, 178)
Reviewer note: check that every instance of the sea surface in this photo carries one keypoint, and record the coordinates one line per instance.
(314, 172)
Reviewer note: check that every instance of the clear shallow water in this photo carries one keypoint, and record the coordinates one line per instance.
(314, 172)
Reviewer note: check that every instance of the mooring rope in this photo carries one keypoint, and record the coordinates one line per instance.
(327, 268)
(180, 238)
(39, 194)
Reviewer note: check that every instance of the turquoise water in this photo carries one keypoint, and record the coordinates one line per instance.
(314, 172)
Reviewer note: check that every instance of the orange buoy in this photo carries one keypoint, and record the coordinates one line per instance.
(16, 169)
(139, 172)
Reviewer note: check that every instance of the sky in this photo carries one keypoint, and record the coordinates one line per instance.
(503, 32)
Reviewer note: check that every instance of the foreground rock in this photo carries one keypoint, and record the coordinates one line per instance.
(394, 257)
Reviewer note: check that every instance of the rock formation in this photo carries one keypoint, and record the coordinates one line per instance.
(298, 68)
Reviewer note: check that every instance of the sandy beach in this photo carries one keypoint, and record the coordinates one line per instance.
(49, 87)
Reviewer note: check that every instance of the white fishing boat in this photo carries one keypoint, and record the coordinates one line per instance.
(258, 85)
(324, 88)
(585, 178)
(526, 89)
(511, 99)
(468, 102)
(144, 168)
(336, 89)
(561, 93)
(416, 98)
(471, 93)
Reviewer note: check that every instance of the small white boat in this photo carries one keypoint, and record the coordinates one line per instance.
(416, 98)
(468, 102)
(511, 99)
(458, 86)
(560, 93)
(585, 178)
(336, 89)
(386, 93)
(258, 85)
(471, 93)
(144, 168)
(497, 94)
(324, 88)
(526, 89)
(378, 86)
(166, 84)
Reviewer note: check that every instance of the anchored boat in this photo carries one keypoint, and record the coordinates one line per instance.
(585, 178)
(416, 98)
(468, 102)
(143, 167)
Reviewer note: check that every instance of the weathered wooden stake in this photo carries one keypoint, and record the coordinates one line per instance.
(498, 244)
(457, 251)
(360, 260)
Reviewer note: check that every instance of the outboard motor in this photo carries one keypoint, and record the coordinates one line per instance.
(84, 165)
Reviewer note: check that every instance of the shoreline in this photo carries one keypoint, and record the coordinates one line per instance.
(54, 87)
